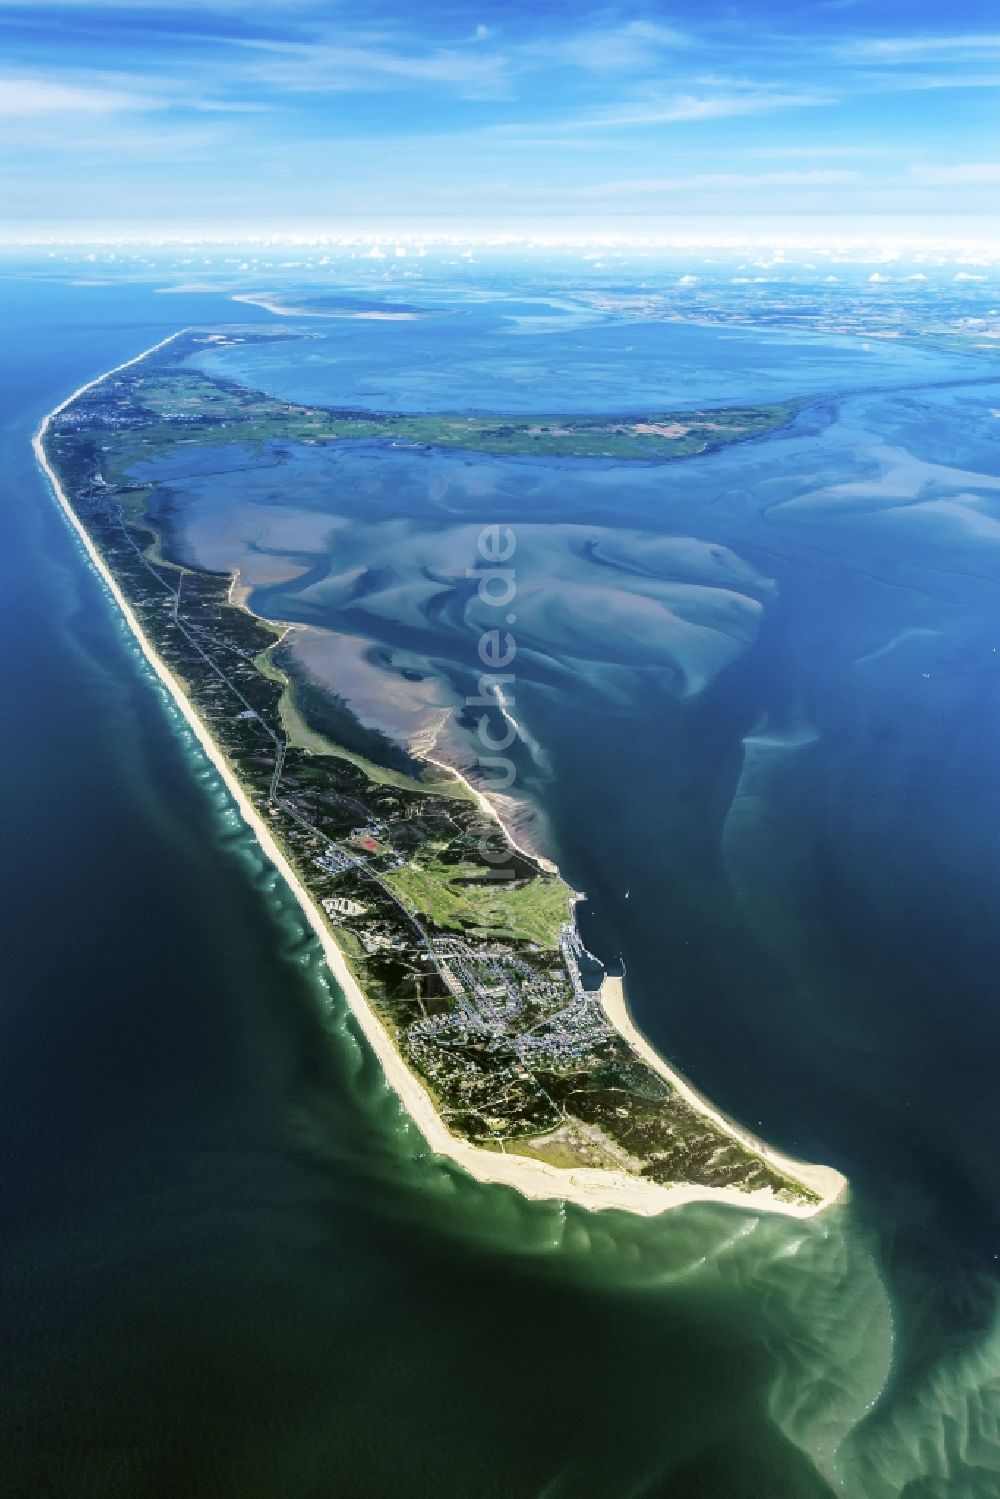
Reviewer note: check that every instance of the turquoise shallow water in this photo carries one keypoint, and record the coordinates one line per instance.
(230, 1268)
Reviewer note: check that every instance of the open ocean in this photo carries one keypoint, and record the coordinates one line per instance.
(762, 696)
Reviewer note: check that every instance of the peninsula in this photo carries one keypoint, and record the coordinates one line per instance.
(465, 973)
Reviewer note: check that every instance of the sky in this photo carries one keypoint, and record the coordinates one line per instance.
(219, 116)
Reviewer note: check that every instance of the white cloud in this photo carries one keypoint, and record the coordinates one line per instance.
(908, 49)
(630, 48)
(370, 61)
(718, 106)
(682, 107)
(957, 174)
(28, 97)
(301, 67)
(697, 182)
(745, 181)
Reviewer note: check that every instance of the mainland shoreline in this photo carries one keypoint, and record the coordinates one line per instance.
(589, 1187)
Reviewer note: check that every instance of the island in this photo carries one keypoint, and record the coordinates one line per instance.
(457, 950)
(174, 397)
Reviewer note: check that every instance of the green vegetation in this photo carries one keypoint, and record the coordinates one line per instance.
(309, 729)
(475, 968)
(186, 406)
(672, 1144)
(463, 897)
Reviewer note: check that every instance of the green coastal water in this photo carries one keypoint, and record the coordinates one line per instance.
(231, 1268)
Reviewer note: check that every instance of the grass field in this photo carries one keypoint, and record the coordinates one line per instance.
(532, 911)
(222, 413)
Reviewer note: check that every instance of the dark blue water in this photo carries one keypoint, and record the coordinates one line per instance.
(229, 1267)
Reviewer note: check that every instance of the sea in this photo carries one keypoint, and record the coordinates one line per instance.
(759, 694)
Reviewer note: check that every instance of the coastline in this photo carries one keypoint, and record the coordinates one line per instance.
(589, 1187)
(374, 316)
(496, 815)
(824, 1180)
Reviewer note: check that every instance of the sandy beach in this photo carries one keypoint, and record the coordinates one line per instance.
(373, 316)
(590, 1188)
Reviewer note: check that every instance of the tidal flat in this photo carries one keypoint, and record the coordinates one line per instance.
(788, 842)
